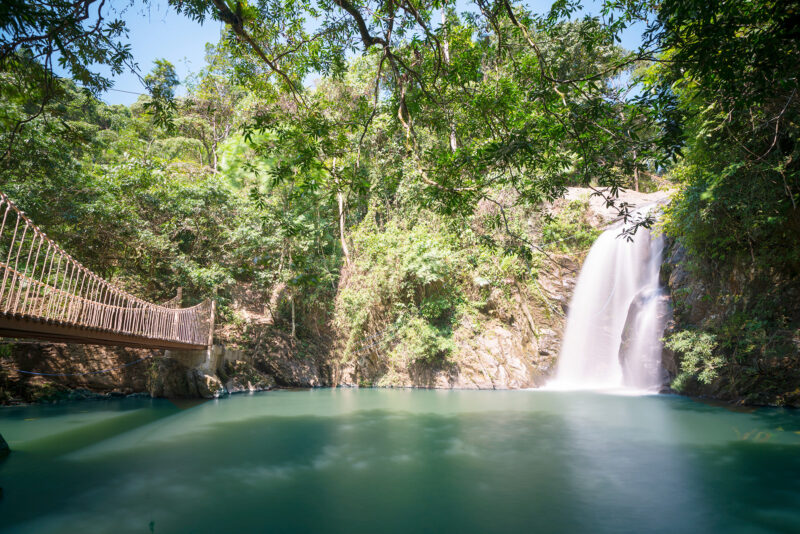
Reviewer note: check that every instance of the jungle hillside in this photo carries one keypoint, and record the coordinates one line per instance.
(383, 192)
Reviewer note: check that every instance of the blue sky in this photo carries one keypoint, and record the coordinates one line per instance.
(156, 31)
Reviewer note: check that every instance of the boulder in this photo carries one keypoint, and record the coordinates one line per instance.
(172, 379)
(291, 370)
(207, 386)
(241, 377)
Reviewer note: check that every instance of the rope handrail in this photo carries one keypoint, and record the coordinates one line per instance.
(10, 205)
(32, 281)
(40, 281)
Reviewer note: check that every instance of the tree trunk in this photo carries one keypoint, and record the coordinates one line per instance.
(291, 301)
(446, 54)
(342, 216)
(342, 237)
(291, 297)
(214, 138)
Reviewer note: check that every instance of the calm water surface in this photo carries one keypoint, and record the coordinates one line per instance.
(382, 461)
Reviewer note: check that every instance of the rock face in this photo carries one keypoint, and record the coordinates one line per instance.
(513, 347)
(289, 362)
(175, 375)
(170, 374)
(498, 358)
(242, 377)
(690, 294)
(129, 374)
(752, 375)
(4, 448)
(514, 344)
(291, 370)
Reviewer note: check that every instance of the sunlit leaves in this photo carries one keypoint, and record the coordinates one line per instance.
(161, 83)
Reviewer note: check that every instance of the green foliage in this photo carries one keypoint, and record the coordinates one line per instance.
(734, 55)
(454, 103)
(569, 230)
(733, 72)
(405, 285)
(699, 358)
(418, 340)
(128, 199)
(161, 83)
(733, 67)
(732, 213)
(73, 33)
(431, 144)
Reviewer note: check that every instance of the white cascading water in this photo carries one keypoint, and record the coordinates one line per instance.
(618, 284)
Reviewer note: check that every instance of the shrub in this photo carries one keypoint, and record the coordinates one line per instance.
(405, 289)
(698, 359)
(569, 230)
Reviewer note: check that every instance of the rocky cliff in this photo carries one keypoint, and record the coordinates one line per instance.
(735, 333)
(131, 368)
(512, 344)
(515, 339)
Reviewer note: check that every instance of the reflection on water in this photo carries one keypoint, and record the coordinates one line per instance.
(401, 461)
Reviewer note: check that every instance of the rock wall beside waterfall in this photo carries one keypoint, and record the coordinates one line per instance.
(514, 345)
(750, 327)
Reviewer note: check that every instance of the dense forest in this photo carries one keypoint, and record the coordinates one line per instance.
(375, 169)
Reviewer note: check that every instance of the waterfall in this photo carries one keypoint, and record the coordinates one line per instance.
(616, 317)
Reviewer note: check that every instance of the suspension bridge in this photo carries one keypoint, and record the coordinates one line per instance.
(46, 294)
